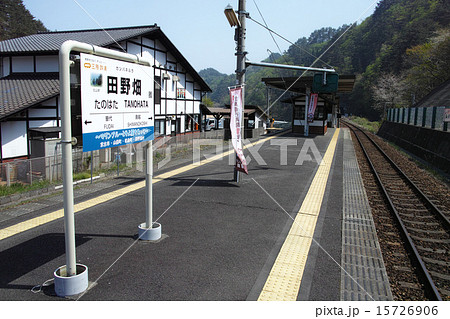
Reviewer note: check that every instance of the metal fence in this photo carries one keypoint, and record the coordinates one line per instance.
(109, 161)
(29, 171)
(430, 117)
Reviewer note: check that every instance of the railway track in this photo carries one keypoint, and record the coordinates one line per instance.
(414, 220)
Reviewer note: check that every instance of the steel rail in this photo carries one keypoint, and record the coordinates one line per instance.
(431, 289)
(436, 210)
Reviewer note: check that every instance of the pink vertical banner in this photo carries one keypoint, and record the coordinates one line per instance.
(312, 106)
(236, 126)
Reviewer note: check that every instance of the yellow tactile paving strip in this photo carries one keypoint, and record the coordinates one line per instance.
(44, 219)
(41, 220)
(285, 277)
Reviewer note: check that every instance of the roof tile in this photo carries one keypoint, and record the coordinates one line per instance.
(52, 41)
(22, 90)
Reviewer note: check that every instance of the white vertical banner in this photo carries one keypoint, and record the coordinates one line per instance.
(236, 126)
(312, 106)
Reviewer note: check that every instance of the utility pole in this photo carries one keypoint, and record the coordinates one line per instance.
(240, 66)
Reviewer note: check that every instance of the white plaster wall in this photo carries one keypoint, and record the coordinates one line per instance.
(158, 109)
(14, 139)
(170, 107)
(42, 123)
(148, 54)
(181, 83)
(42, 113)
(182, 124)
(190, 107)
(148, 42)
(196, 107)
(51, 102)
(189, 91)
(133, 48)
(160, 58)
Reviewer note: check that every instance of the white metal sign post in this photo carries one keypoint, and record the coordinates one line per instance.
(118, 102)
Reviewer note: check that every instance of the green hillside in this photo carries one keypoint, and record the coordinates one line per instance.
(399, 54)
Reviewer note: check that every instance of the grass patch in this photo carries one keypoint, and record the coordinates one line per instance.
(365, 123)
(17, 188)
(83, 175)
(22, 188)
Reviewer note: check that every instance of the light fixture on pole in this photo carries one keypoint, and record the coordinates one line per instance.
(231, 16)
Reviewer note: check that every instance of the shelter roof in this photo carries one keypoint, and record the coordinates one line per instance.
(299, 84)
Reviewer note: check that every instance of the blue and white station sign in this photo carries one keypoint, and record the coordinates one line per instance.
(116, 102)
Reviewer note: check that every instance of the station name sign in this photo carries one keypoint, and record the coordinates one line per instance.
(116, 102)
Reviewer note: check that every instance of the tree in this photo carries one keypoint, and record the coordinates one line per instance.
(395, 39)
(388, 92)
(16, 21)
(428, 64)
(207, 102)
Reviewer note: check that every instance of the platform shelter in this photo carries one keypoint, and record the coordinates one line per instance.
(327, 111)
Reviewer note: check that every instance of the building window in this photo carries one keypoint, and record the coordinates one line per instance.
(157, 90)
(196, 122)
(319, 114)
(181, 93)
(299, 112)
(160, 126)
(188, 123)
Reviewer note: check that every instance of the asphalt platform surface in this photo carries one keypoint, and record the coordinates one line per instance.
(220, 238)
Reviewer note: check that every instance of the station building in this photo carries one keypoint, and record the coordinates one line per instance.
(29, 85)
(327, 110)
(255, 119)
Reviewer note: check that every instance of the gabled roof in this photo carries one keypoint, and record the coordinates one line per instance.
(50, 43)
(22, 90)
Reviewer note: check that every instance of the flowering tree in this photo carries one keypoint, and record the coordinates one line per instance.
(388, 91)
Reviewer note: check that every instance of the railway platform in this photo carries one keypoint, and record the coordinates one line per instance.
(298, 227)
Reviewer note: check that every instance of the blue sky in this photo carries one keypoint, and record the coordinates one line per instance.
(199, 28)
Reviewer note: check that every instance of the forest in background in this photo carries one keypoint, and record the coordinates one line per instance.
(398, 54)
(16, 21)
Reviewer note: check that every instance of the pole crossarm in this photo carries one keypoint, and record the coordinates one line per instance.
(290, 67)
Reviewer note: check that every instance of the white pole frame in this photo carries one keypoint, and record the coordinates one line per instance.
(149, 188)
(66, 133)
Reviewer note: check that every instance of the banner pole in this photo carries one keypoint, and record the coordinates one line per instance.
(240, 69)
(306, 130)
